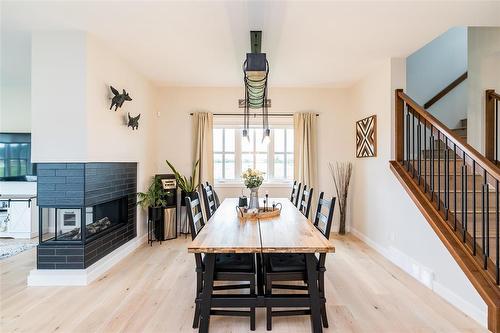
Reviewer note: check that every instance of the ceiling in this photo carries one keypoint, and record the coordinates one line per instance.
(204, 43)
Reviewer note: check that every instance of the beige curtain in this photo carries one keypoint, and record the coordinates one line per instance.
(203, 127)
(305, 151)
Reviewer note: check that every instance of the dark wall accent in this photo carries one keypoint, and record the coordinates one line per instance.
(82, 185)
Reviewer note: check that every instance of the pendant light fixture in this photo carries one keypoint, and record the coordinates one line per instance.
(256, 72)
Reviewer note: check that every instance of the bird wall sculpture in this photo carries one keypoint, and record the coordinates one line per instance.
(118, 99)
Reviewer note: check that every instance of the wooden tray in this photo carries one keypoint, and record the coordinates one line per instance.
(246, 214)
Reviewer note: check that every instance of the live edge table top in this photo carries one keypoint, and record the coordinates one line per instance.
(290, 232)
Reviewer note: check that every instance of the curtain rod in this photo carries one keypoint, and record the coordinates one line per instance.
(255, 114)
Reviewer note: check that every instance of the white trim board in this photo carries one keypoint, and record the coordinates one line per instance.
(425, 276)
(83, 277)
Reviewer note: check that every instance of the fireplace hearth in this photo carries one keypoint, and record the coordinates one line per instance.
(87, 210)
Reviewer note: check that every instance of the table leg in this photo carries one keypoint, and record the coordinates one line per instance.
(260, 278)
(312, 283)
(206, 295)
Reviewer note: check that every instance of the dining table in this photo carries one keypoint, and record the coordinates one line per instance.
(289, 232)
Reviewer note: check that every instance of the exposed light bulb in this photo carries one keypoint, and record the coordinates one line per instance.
(266, 139)
(246, 137)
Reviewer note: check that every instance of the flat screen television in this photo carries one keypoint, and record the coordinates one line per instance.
(15, 157)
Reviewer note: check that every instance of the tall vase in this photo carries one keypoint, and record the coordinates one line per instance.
(254, 198)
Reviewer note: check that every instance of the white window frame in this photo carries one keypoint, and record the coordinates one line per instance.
(238, 182)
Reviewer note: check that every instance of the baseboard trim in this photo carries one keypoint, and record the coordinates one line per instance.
(83, 277)
(425, 276)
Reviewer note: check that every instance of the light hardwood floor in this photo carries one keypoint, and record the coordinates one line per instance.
(152, 290)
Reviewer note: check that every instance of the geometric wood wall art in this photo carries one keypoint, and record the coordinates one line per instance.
(366, 137)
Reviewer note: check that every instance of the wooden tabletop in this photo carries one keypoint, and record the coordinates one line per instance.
(226, 233)
(290, 232)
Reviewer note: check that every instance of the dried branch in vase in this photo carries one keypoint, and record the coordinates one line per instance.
(341, 174)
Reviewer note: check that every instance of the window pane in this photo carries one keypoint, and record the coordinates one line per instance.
(217, 139)
(289, 166)
(259, 145)
(14, 167)
(261, 163)
(218, 166)
(229, 140)
(279, 140)
(246, 161)
(247, 145)
(289, 140)
(279, 166)
(229, 166)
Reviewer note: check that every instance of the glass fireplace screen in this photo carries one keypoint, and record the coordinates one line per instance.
(66, 224)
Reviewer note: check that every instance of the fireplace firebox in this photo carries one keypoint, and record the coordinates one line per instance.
(87, 210)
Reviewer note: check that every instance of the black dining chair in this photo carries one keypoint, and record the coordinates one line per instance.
(216, 197)
(228, 267)
(292, 267)
(294, 197)
(305, 201)
(208, 200)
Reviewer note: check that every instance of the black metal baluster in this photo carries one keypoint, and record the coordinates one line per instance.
(497, 235)
(446, 179)
(419, 134)
(455, 184)
(439, 170)
(462, 191)
(407, 138)
(474, 207)
(431, 146)
(425, 156)
(496, 130)
(464, 200)
(413, 144)
(487, 231)
(483, 209)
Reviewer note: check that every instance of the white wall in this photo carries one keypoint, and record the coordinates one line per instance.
(336, 135)
(433, 67)
(383, 214)
(58, 97)
(484, 73)
(108, 137)
(15, 81)
(71, 74)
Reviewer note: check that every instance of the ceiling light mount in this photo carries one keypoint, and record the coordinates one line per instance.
(256, 72)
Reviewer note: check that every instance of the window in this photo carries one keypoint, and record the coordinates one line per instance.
(15, 156)
(233, 153)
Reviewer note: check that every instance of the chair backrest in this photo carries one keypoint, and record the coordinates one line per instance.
(216, 197)
(323, 222)
(305, 201)
(208, 200)
(195, 216)
(294, 197)
(324, 215)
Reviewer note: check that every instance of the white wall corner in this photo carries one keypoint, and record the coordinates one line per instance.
(83, 277)
(425, 276)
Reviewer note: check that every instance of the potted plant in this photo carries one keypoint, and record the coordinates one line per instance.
(189, 185)
(154, 199)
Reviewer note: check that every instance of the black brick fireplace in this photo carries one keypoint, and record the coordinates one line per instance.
(87, 210)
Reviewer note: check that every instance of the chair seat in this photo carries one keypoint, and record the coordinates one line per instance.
(234, 262)
(287, 262)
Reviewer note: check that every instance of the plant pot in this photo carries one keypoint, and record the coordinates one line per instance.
(191, 196)
(155, 214)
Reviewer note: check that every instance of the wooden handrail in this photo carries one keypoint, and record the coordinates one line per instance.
(473, 154)
(446, 90)
(493, 94)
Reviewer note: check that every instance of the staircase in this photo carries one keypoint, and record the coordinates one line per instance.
(457, 190)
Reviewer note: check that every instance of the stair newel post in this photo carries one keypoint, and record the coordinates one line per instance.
(399, 126)
(490, 149)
